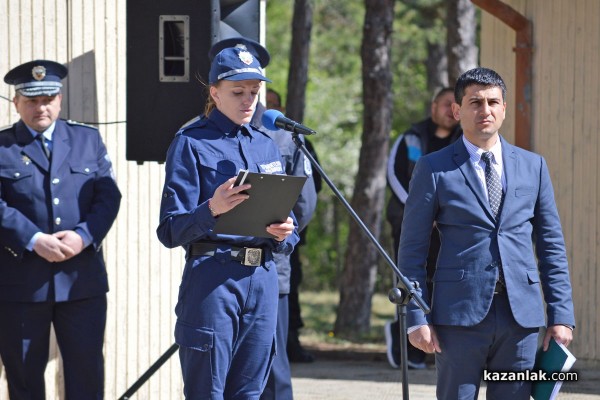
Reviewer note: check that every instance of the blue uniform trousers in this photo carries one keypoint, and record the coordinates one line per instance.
(226, 319)
(497, 343)
(25, 339)
(279, 384)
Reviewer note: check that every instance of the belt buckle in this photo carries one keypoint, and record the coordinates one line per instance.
(252, 257)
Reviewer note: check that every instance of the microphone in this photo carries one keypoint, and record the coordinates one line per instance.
(273, 120)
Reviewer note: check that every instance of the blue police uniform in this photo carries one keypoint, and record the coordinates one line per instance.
(226, 311)
(73, 190)
(279, 384)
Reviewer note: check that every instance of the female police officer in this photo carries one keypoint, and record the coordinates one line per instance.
(226, 311)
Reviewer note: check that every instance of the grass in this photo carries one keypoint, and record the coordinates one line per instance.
(319, 313)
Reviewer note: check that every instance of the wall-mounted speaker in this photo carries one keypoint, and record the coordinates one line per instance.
(167, 64)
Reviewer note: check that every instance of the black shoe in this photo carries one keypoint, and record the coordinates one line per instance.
(297, 354)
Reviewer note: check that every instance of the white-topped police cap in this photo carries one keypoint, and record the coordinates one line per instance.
(37, 78)
(237, 59)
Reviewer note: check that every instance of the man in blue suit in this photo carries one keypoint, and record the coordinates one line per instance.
(58, 199)
(502, 250)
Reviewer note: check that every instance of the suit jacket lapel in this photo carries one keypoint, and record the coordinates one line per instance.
(61, 145)
(510, 165)
(31, 147)
(463, 161)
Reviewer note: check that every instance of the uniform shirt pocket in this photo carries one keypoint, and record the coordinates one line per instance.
(84, 169)
(16, 183)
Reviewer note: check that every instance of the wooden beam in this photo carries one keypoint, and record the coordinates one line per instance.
(524, 58)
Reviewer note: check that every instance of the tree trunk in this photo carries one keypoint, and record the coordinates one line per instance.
(298, 74)
(358, 278)
(437, 67)
(462, 50)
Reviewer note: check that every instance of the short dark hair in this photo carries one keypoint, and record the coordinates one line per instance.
(478, 76)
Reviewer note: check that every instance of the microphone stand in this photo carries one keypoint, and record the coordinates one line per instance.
(400, 296)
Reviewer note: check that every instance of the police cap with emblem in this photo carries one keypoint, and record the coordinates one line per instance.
(237, 59)
(37, 78)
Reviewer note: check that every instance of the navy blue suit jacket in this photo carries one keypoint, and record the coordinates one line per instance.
(445, 190)
(75, 190)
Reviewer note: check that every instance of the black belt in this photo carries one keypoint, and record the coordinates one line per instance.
(249, 256)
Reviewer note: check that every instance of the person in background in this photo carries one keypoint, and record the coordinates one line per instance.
(228, 298)
(279, 384)
(502, 270)
(295, 350)
(429, 135)
(58, 200)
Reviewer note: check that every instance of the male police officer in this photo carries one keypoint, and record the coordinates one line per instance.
(58, 199)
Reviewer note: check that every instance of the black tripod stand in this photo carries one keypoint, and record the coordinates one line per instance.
(401, 295)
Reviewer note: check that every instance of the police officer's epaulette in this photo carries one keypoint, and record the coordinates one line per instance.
(75, 123)
(196, 122)
(192, 122)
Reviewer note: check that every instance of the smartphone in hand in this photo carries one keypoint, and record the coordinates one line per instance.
(241, 177)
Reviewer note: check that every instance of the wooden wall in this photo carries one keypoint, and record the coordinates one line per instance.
(565, 120)
(89, 37)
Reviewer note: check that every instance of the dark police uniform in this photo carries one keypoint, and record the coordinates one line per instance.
(226, 311)
(74, 190)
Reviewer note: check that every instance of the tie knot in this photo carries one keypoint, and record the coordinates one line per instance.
(487, 157)
(40, 137)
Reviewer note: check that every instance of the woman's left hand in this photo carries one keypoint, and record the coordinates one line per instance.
(282, 230)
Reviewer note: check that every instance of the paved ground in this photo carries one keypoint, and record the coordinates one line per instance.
(342, 374)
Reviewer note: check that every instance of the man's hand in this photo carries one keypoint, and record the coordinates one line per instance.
(72, 240)
(52, 248)
(560, 333)
(425, 339)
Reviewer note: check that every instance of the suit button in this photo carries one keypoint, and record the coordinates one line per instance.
(56, 201)
(57, 221)
(87, 170)
(55, 181)
(17, 175)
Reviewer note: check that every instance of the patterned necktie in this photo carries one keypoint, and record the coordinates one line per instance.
(42, 141)
(492, 181)
(494, 188)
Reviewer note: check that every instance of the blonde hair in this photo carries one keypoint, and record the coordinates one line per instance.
(210, 102)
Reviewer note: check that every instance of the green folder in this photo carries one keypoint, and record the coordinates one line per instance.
(556, 359)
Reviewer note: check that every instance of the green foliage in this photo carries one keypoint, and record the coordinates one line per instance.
(334, 107)
(319, 310)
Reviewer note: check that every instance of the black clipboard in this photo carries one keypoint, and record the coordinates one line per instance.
(272, 197)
